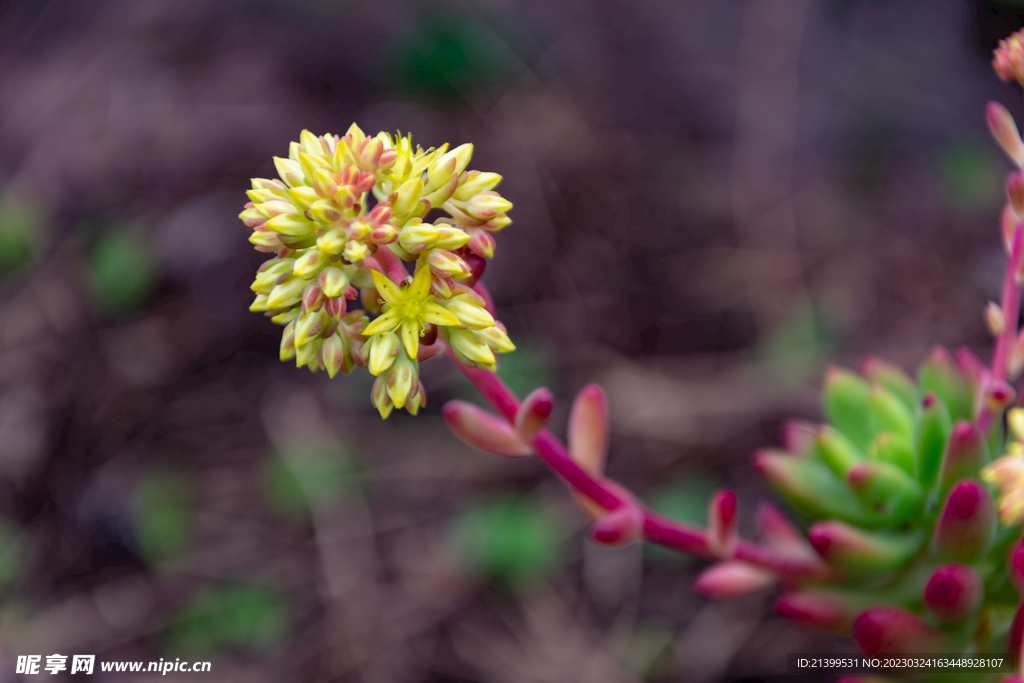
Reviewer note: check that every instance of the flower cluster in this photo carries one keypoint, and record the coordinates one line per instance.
(1008, 59)
(341, 219)
(1007, 473)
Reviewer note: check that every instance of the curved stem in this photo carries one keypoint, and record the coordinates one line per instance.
(390, 264)
(656, 528)
(1011, 308)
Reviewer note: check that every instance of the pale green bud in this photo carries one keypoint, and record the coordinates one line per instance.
(401, 378)
(450, 237)
(333, 282)
(497, 223)
(302, 196)
(288, 342)
(469, 314)
(310, 143)
(355, 252)
(309, 326)
(332, 242)
(333, 354)
(309, 264)
(474, 183)
(469, 347)
(440, 172)
(417, 236)
(382, 349)
(497, 338)
(259, 304)
(289, 170)
(487, 205)
(380, 398)
(463, 153)
(286, 317)
(408, 194)
(444, 262)
(288, 293)
(308, 354)
(275, 207)
(291, 224)
(323, 212)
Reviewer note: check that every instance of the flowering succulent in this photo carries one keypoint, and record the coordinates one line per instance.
(340, 220)
(908, 499)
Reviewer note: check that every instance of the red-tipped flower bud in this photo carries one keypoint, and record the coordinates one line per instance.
(480, 429)
(953, 592)
(967, 525)
(620, 527)
(733, 578)
(817, 608)
(723, 512)
(894, 631)
(588, 429)
(854, 551)
(534, 412)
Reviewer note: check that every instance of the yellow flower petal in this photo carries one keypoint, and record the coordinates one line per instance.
(388, 290)
(386, 322)
(411, 338)
(420, 287)
(439, 315)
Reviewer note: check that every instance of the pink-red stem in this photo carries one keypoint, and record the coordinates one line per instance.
(1010, 305)
(1011, 308)
(656, 528)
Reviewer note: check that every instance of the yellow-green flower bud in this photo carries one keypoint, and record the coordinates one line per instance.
(266, 281)
(287, 316)
(290, 171)
(288, 342)
(417, 399)
(260, 196)
(470, 348)
(275, 207)
(475, 182)
(291, 224)
(333, 281)
(359, 229)
(450, 237)
(443, 193)
(331, 242)
(463, 153)
(309, 326)
(355, 251)
(380, 398)
(332, 354)
(310, 143)
(303, 196)
(406, 196)
(309, 264)
(497, 223)
(444, 262)
(497, 338)
(265, 240)
(469, 313)
(401, 378)
(259, 304)
(288, 293)
(417, 236)
(440, 172)
(323, 212)
(487, 205)
(381, 352)
(308, 354)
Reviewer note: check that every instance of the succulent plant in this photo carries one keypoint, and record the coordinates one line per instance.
(914, 555)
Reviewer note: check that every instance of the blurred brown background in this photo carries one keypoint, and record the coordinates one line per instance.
(713, 200)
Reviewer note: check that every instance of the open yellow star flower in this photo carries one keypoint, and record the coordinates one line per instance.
(1007, 473)
(407, 309)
